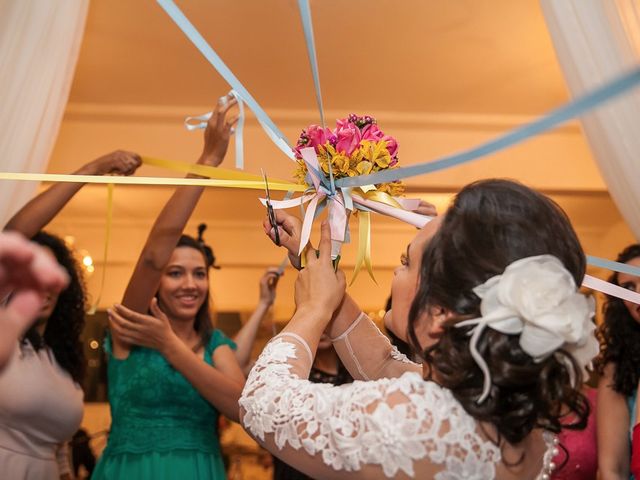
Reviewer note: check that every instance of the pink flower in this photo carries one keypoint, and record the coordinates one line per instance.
(312, 137)
(392, 145)
(372, 132)
(342, 123)
(317, 136)
(348, 138)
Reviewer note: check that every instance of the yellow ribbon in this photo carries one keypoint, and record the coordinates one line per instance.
(218, 177)
(364, 246)
(381, 197)
(107, 241)
(204, 182)
(208, 171)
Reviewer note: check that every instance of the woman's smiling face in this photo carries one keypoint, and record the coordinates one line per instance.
(184, 284)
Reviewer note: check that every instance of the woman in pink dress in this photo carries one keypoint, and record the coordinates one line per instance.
(578, 456)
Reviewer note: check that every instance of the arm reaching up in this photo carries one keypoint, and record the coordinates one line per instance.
(246, 337)
(363, 349)
(169, 225)
(38, 212)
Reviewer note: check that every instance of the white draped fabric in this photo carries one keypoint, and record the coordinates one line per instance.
(596, 40)
(39, 45)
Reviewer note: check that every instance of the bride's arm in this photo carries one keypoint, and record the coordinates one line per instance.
(363, 349)
(326, 431)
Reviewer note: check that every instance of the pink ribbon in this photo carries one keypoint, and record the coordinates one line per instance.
(610, 289)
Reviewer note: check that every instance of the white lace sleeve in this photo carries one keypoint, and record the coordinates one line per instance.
(368, 354)
(401, 427)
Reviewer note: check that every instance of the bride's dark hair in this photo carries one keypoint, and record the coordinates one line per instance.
(490, 224)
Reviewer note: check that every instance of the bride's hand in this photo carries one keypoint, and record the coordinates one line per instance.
(319, 287)
(289, 231)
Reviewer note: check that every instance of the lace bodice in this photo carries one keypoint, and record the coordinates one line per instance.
(390, 427)
(154, 407)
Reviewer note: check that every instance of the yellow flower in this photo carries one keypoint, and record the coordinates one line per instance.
(300, 173)
(376, 153)
(341, 165)
(392, 188)
(364, 168)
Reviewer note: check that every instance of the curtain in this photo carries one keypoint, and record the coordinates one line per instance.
(595, 40)
(39, 45)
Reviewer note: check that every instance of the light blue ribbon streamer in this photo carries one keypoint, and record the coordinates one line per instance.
(239, 136)
(560, 115)
(199, 122)
(307, 25)
(214, 59)
(614, 266)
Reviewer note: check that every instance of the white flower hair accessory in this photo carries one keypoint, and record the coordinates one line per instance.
(536, 298)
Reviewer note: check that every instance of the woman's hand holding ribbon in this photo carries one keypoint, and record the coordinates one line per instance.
(289, 231)
(218, 133)
(119, 162)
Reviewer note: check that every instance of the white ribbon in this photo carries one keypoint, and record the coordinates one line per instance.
(339, 203)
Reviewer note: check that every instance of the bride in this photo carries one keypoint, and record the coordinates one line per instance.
(488, 294)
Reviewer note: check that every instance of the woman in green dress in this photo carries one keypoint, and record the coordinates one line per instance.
(171, 372)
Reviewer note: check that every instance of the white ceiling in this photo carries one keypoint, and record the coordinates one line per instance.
(457, 56)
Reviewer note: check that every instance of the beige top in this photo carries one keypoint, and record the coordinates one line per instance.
(40, 409)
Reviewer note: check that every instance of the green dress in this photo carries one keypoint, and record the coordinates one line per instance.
(162, 428)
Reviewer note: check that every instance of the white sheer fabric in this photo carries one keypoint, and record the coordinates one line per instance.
(397, 426)
(596, 40)
(39, 45)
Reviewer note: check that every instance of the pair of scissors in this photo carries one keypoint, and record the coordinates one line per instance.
(270, 212)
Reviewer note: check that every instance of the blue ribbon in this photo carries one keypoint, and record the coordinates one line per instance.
(239, 134)
(307, 25)
(614, 266)
(556, 117)
(199, 122)
(560, 115)
(214, 59)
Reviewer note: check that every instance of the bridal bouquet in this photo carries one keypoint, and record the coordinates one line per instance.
(355, 147)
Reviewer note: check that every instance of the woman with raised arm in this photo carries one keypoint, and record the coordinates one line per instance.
(171, 372)
(246, 337)
(40, 394)
(619, 365)
(488, 293)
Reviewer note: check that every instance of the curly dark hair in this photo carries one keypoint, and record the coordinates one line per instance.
(490, 224)
(66, 322)
(620, 336)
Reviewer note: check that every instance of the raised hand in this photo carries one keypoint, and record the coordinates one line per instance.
(268, 284)
(218, 132)
(27, 273)
(119, 162)
(289, 231)
(319, 287)
(426, 208)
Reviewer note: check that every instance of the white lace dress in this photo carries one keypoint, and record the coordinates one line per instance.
(398, 425)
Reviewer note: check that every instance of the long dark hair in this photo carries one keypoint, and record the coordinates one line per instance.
(620, 336)
(203, 324)
(490, 224)
(66, 322)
